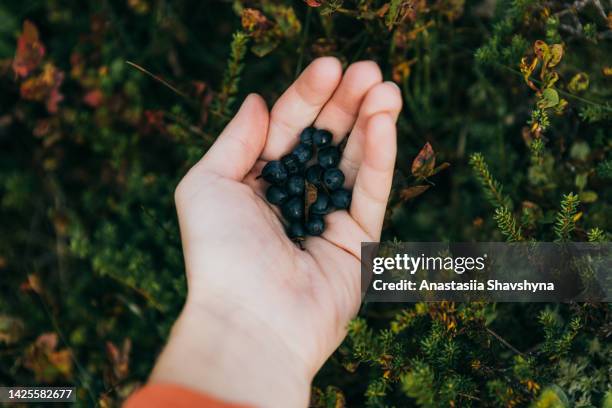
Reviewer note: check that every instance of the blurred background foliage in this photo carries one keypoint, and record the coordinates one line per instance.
(505, 135)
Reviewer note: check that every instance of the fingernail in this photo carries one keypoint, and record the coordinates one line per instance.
(394, 84)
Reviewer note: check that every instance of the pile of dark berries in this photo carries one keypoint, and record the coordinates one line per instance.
(306, 184)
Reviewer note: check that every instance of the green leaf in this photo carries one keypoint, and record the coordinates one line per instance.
(286, 19)
(588, 196)
(581, 180)
(549, 99)
(552, 397)
(264, 48)
(580, 150)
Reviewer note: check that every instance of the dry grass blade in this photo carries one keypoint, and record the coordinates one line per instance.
(158, 79)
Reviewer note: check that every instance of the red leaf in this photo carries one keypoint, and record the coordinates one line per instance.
(153, 121)
(47, 341)
(48, 363)
(30, 51)
(44, 87)
(314, 3)
(119, 358)
(424, 163)
(33, 283)
(54, 98)
(42, 128)
(93, 98)
(255, 22)
(412, 192)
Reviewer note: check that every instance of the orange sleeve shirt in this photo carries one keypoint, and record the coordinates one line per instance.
(175, 396)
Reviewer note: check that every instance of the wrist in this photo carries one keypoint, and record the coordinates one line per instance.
(232, 356)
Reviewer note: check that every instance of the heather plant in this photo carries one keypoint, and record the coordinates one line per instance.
(105, 105)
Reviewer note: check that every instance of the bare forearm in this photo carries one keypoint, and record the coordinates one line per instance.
(215, 354)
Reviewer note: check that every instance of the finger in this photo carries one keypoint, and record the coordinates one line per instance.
(373, 182)
(341, 271)
(382, 98)
(340, 112)
(240, 144)
(300, 104)
(344, 232)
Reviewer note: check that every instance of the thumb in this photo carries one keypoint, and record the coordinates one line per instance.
(241, 142)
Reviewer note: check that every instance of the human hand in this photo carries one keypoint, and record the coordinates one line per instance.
(261, 315)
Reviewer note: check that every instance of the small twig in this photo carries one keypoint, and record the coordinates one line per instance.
(158, 79)
(571, 30)
(346, 11)
(504, 342)
(598, 6)
(579, 5)
(469, 396)
(560, 91)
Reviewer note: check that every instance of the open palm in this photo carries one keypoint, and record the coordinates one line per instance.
(240, 264)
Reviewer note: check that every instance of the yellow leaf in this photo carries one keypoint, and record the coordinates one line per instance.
(401, 71)
(528, 68)
(11, 329)
(561, 106)
(540, 48)
(556, 53)
(550, 79)
(588, 196)
(579, 83)
(309, 197)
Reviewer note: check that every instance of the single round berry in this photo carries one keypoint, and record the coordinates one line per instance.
(315, 226)
(293, 209)
(329, 157)
(313, 174)
(274, 172)
(333, 178)
(295, 185)
(341, 198)
(322, 138)
(291, 163)
(296, 230)
(276, 195)
(322, 204)
(302, 152)
(306, 135)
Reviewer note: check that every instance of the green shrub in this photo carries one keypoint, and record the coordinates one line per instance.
(511, 93)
